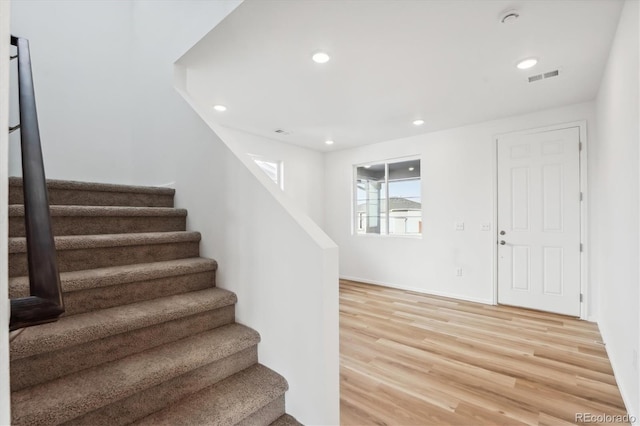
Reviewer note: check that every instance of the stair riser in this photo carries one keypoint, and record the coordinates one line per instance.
(78, 225)
(78, 302)
(100, 257)
(266, 415)
(40, 368)
(159, 397)
(58, 196)
(228, 402)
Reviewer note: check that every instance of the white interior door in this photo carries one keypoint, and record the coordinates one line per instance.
(539, 221)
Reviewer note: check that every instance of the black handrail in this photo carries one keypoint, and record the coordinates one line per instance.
(45, 303)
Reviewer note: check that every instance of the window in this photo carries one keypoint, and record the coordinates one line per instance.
(388, 198)
(273, 169)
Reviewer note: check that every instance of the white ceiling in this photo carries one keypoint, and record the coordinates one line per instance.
(448, 62)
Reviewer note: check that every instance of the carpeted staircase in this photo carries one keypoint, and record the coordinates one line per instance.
(147, 338)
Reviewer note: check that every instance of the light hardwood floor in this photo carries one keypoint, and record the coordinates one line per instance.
(413, 359)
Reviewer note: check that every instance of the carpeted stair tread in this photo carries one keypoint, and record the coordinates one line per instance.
(77, 394)
(99, 187)
(101, 288)
(128, 410)
(147, 338)
(87, 220)
(225, 403)
(286, 420)
(62, 192)
(40, 368)
(17, 210)
(75, 242)
(82, 252)
(77, 329)
(115, 275)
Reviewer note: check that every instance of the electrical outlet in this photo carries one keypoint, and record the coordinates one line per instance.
(459, 226)
(458, 271)
(485, 227)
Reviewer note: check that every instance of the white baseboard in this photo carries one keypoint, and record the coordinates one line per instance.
(420, 290)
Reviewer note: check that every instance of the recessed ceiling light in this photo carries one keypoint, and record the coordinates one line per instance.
(527, 63)
(329, 142)
(220, 108)
(418, 122)
(411, 169)
(367, 167)
(320, 57)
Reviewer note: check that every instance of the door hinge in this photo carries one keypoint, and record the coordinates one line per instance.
(581, 297)
(579, 146)
(581, 197)
(581, 247)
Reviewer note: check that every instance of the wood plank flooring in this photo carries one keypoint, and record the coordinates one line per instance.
(413, 359)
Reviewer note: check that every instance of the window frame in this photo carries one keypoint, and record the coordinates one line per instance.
(354, 198)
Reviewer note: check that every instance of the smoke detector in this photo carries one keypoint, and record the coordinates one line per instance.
(509, 17)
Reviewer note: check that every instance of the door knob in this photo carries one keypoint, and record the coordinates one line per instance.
(502, 242)
(502, 232)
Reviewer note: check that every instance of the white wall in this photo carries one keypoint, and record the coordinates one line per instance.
(163, 125)
(615, 205)
(281, 265)
(81, 55)
(103, 79)
(5, 401)
(303, 173)
(457, 185)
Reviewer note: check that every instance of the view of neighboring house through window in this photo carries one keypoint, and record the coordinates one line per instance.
(388, 198)
(273, 169)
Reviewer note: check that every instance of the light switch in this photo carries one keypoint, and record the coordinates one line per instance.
(459, 226)
(485, 227)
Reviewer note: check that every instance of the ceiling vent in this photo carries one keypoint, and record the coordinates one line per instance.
(544, 76)
(282, 132)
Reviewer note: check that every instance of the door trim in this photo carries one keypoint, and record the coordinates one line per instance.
(584, 218)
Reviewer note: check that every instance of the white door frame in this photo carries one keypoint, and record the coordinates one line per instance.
(584, 219)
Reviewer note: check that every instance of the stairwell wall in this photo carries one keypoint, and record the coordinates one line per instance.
(278, 261)
(81, 58)
(163, 127)
(616, 206)
(303, 169)
(103, 81)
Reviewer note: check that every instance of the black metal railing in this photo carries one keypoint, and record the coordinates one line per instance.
(45, 302)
